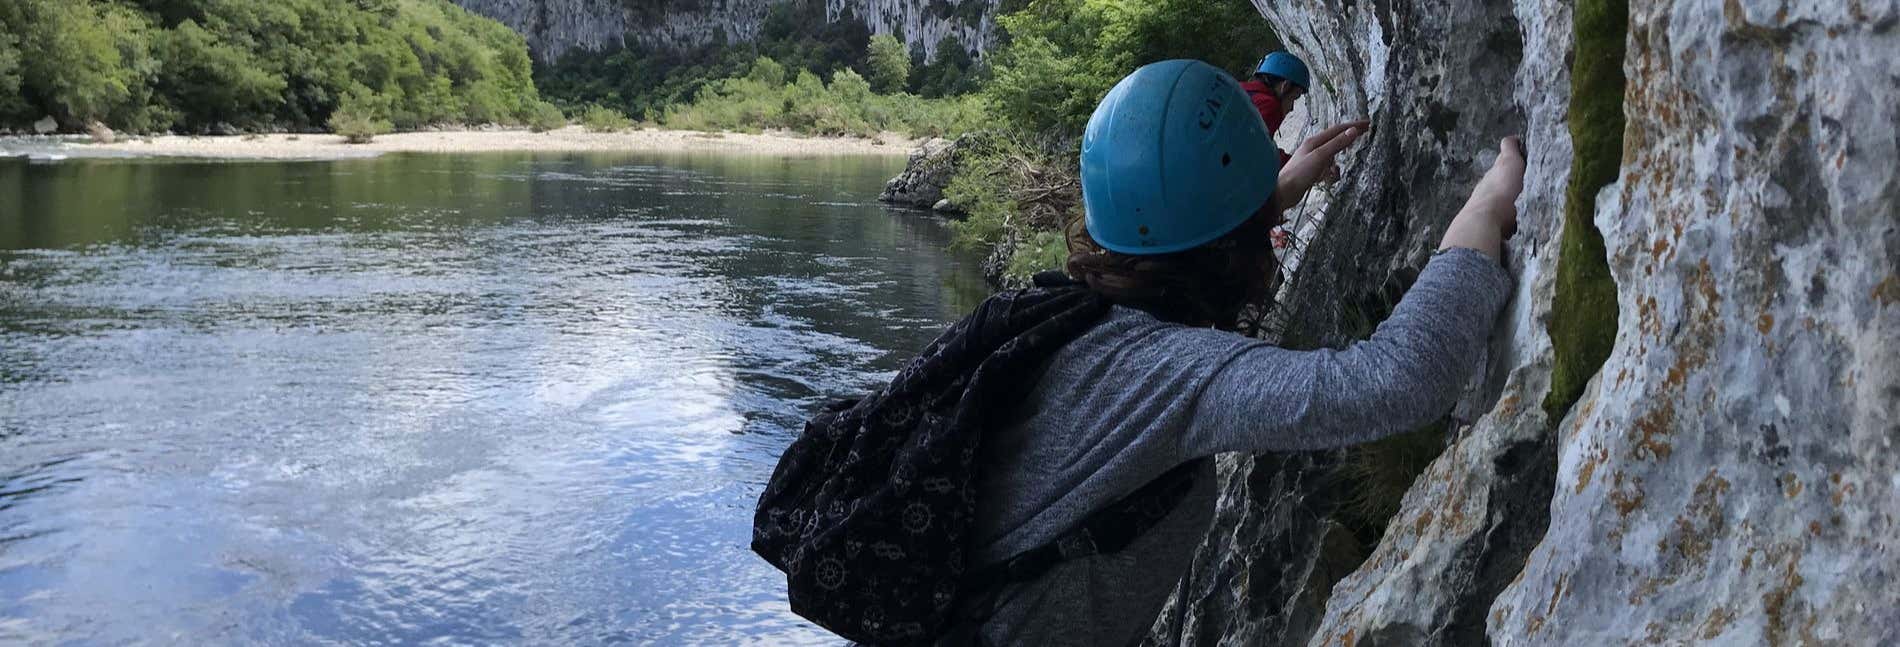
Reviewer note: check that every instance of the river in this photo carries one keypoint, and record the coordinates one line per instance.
(497, 398)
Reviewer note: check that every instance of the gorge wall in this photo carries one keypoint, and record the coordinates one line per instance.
(554, 26)
(1728, 474)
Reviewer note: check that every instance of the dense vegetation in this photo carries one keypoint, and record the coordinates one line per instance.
(766, 98)
(645, 83)
(1057, 60)
(192, 65)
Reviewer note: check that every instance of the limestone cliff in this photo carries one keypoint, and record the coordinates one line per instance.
(555, 26)
(1728, 475)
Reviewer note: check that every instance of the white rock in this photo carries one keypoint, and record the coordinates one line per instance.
(1756, 251)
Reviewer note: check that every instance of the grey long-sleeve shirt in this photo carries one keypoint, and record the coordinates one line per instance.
(1135, 397)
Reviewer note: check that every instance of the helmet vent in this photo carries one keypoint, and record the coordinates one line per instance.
(1226, 159)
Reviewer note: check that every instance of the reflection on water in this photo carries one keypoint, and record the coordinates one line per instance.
(472, 398)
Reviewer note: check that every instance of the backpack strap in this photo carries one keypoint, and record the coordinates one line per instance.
(1105, 531)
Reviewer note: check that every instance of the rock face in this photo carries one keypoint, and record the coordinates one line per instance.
(1728, 475)
(925, 176)
(554, 26)
(1732, 474)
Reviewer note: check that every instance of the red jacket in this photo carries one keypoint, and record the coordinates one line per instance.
(1269, 107)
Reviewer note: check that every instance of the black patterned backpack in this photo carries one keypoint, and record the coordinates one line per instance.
(870, 511)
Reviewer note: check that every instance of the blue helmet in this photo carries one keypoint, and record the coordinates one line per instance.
(1174, 157)
(1285, 65)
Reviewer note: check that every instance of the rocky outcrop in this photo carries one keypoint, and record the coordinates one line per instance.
(554, 26)
(924, 178)
(1727, 474)
(100, 133)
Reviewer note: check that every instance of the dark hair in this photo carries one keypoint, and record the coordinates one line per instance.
(1209, 285)
(1268, 79)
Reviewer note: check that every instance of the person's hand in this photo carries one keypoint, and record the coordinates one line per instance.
(1314, 159)
(1495, 197)
(1490, 215)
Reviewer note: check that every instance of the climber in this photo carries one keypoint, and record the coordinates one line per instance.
(1278, 83)
(1160, 381)
(1085, 410)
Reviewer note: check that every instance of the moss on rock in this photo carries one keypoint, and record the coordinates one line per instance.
(1583, 312)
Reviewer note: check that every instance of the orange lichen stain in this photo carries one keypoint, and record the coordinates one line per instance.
(1556, 593)
(1814, 528)
(1653, 633)
(1509, 405)
(1656, 251)
(1841, 490)
(1584, 473)
(1626, 501)
(1653, 426)
(1622, 376)
(1888, 291)
(1748, 560)
(1766, 324)
(1791, 485)
(1705, 284)
(1775, 602)
(1536, 624)
(1348, 639)
(1717, 623)
(1424, 521)
(1647, 320)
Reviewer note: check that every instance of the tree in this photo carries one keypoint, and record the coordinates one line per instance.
(212, 81)
(76, 69)
(889, 64)
(12, 105)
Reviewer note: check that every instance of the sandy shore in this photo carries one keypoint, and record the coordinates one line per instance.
(570, 139)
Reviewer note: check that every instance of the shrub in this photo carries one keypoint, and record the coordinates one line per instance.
(601, 119)
(358, 126)
(360, 119)
(543, 117)
(767, 71)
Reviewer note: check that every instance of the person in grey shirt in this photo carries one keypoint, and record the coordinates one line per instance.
(1162, 380)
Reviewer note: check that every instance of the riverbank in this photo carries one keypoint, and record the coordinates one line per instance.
(570, 139)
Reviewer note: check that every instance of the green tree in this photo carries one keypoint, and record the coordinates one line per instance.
(950, 73)
(141, 64)
(767, 71)
(889, 64)
(212, 81)
(1061, 56)
(76, 69)
(12, 105)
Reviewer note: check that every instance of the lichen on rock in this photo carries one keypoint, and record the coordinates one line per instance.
(1726, 475)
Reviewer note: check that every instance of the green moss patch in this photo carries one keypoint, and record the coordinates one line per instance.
(1583, 312)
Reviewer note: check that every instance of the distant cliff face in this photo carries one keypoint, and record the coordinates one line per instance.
(554, 26)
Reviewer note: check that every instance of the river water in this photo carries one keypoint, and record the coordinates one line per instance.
(458, 399)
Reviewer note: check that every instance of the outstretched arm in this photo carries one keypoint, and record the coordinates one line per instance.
(1408, 374)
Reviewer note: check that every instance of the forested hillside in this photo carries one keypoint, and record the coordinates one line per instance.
(216, 65)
